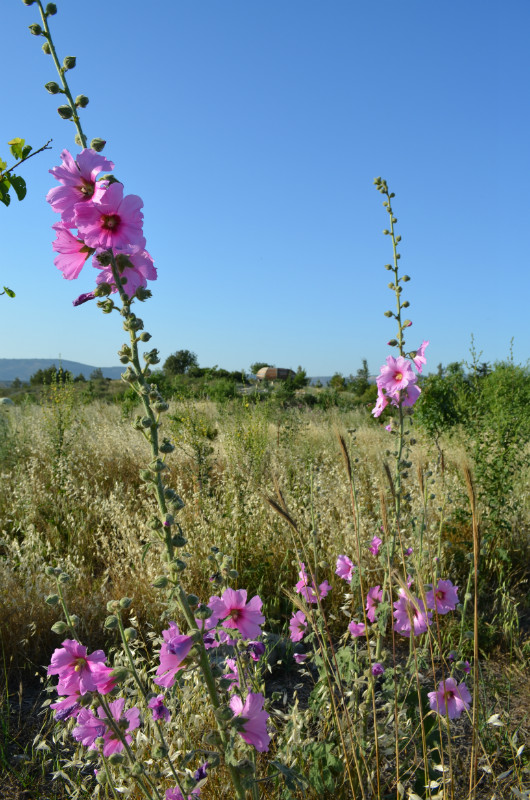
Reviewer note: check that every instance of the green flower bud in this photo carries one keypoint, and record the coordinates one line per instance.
(155, 524)
(101, 776)
(65, 112)
(223, 713)
(146, 475)
(116, 758)
(166, 446)
(112, 605)
(111, 622)
(146, 422)
(161, 405)
(130, 634)
(388, 314)
(69, 62)
(64, 578)
(386, 232)
(392, 343)
(233, 574)
(59, 627)
(203, 612)
(405, 304)
(52, 87)
(391, 286)
(137, 769)
(193, 600)
(169, 519)
(81, 100)
(52, 599)
(98, 144)
(125, 602)
(74, 619)
(179, 541)
(28, 2)
(46, 48)
(178, 564)
(388, 266)
(405, 278)
(144, 336)
(50, 572)
(159, 751)
(35, 29)
(143, 294)
(161, 582)
(50, 10)
(213, 739)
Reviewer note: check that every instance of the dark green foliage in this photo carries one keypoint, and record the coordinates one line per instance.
(45, 377)
(179, 363)
(255, 368)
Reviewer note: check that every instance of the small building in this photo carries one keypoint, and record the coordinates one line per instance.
(274, 374)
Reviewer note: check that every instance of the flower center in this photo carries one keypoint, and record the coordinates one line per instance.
(398, 376)
(439, 594)
(80, 664)
(87, 189)
(110, 221)
(235, 614)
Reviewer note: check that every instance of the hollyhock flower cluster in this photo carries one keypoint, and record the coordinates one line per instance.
(410, 615)
(105, 220)
(90, 727)
(443, 597)
(345, 568)
(255, 720)
(450, 698)
(173, 652)
(307, 589)
(397, 381)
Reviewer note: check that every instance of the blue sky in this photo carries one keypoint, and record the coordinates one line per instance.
(253, 131)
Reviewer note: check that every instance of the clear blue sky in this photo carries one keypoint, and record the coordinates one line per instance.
(253, 130)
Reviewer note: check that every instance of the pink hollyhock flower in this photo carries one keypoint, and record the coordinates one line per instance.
(375, 544)
(78, 179)
(298, 626)
(112, 222)
(73, 252)
(467, 667)
(443, 597)
(232, 675)
(103, 677)
(88, 728)
(450, 698)
(307, 591)
(410, 395)
(396, 375)
(356, 628)
(380, 405)
(255, 650)
(160, 711)
(173, 651)
(176, 794)
(138, 268)
(410, 615)
(373, 598)
(112, 744)
(255, 728)
(299, 657)
(377, 669)
(67, 707)
(419, 359)
(233, 611)
(74, 668)
(83, 298)
(388, 427)
(345, 568)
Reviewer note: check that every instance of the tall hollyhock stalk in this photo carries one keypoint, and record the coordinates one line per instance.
(109, 229)
(397, 382)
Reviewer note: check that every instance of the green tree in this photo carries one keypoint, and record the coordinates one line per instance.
(49, 376)
(180, 362)
(338, 382)
(300, 379)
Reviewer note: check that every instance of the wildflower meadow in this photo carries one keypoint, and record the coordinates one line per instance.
(256, 596)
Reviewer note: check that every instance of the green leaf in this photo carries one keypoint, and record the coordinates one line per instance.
(145, 550)
(9, 292)
(4, 192)
(26, 150)
(16, 146)
(19, 185)
(3, 165)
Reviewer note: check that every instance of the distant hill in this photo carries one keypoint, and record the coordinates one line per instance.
(24, 368)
